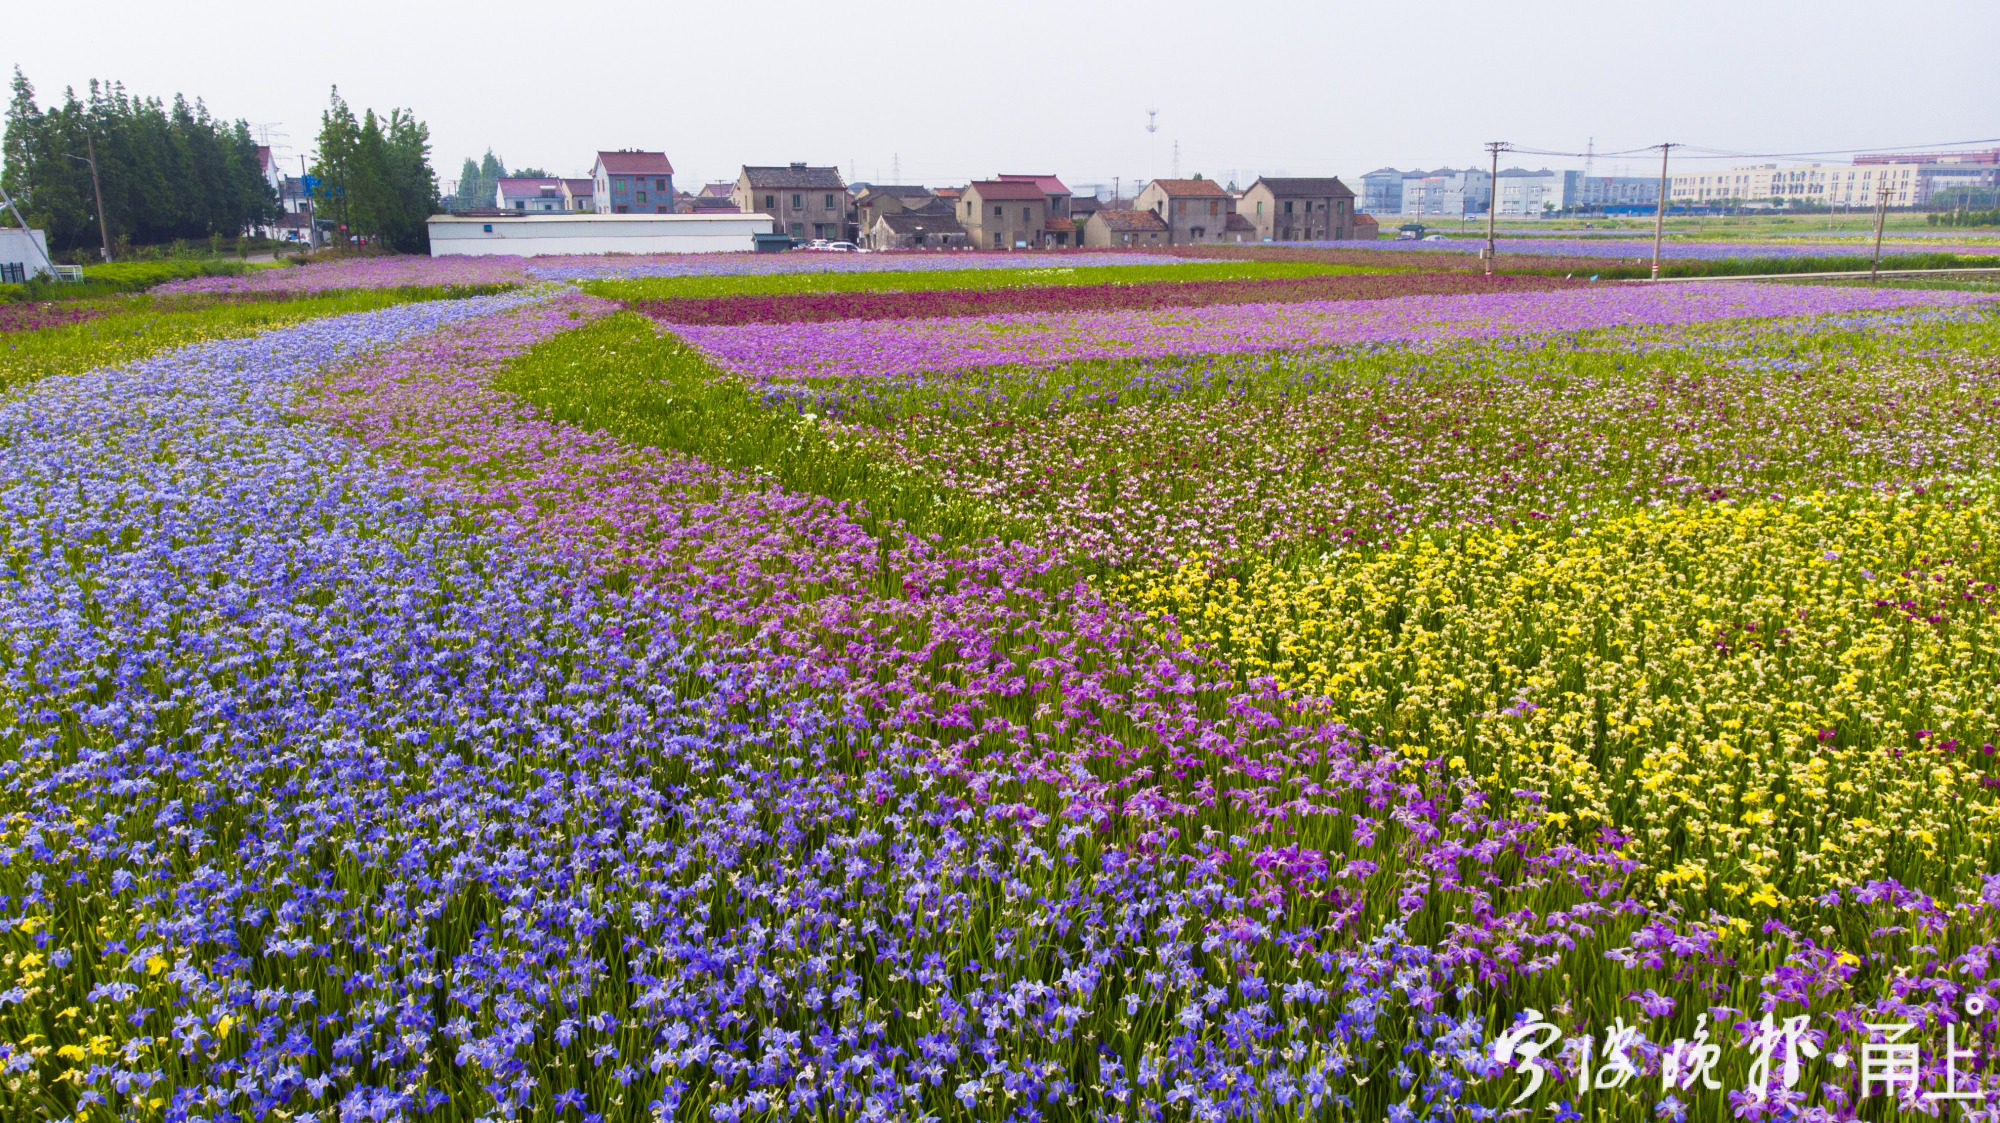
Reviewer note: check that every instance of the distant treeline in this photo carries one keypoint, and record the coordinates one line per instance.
(168, 171)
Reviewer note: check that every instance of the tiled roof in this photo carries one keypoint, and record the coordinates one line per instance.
(1365, 219)
(510, 185)
(1058, 225)
(1282, 187)
(794, 176)
(716, 190)
(630, 161)
(1000, 189)
(907, 222)
(1048, 184)
(1132, 222)
(581, 187)
(1237, 222)
(949, 192)
(1206, 188)
(708, 204)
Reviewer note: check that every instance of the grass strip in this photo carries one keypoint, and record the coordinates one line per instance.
(144, 325)
(961, 280)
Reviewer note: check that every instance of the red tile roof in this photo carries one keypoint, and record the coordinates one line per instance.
(1058, 225)
(629, 161)
(581, 187)
(1048, 184)
(997, 189)
(1207, 188)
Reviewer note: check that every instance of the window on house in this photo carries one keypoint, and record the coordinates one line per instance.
(1027, 214)
(1212, 209)
(1260, 209)
(829, 200)
(618, 184)
(770, 200)
(520, 205)
(642, 198)
(1288, 206)
(621, 208)
(996, 240)
(659, 184)
(664, 208)
(998, 210)
(798, 202)
(798, 230)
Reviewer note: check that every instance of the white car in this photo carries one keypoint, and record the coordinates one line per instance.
(1435, 238)
(843, 247)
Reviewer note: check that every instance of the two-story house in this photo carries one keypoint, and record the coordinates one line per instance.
(1196, 211)
(579, 194)
(1062, 228)
(530, 196)
(1001, 214)
(1299, 210)
(805, 202)
(632, 181)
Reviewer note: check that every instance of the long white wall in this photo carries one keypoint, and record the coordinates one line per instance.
(535, 235)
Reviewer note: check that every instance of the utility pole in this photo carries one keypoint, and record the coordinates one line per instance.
(1177, 160)
(1881, 212)
(1494, 148)
(103, 223)
(1660, 210)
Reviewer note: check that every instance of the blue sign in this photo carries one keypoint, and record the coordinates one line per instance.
(310, 182)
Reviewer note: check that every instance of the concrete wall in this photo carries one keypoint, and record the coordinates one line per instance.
(535, 235)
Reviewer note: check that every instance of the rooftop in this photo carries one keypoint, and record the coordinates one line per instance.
(1131, 222)
(1205, 188)
(1048, 184)
(990, 189)
(794, 175)
(1330, 185)
(634, 161)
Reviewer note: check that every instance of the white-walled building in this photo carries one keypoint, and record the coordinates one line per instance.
(1844, 185)
(1447, 191)
(534, 235)
(1524, 193)
(23, 254)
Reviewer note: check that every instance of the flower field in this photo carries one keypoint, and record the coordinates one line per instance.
(1399, 696)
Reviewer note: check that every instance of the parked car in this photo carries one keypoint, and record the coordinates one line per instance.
(1435, 238)
(844, 247)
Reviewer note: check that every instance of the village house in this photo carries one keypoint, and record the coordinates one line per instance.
(1196, 211)
(886, 199)
(1299, 210)
(1061, 229)
(579, 194)
(925, 229)
(631, 181)
(1109, 229)
(1002, 215)
(536, 196)
(805, 202)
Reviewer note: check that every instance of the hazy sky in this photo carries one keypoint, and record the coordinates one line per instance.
(959, 90)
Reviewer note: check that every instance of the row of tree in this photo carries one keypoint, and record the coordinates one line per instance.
(171, 171)
(168, 171)
(374, 175)
(479, 181)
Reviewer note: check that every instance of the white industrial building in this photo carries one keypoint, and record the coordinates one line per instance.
(23, 254)
(536, 235)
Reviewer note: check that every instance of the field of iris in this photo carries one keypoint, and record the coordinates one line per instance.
(972, 687)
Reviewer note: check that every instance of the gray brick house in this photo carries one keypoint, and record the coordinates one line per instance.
(1299, 210)
(806, 202)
